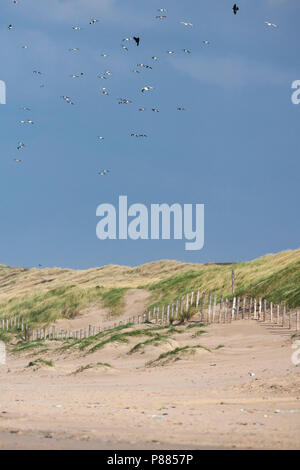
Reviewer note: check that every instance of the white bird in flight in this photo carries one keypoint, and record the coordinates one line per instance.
(146, 88)
(273, 25)
(185, 23)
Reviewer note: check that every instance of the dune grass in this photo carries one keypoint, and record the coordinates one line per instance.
(175, 355)
(40, 362)
(90, 366)
(275, 277)
(43, 296)
(62, 302)
(154, 341)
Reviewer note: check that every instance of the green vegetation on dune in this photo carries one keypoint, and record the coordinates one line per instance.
(275, 277)
(117, 335)
(91, 366)
(62, 302)
(43, 296)
(40, 362)
(175, 355)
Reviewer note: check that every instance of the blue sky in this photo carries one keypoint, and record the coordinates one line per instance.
(235, 148)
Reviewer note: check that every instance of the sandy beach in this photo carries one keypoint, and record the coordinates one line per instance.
(239, 390)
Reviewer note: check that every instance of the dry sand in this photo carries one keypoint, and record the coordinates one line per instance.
(204, 400)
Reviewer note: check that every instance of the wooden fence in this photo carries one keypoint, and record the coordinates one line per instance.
(207, 308)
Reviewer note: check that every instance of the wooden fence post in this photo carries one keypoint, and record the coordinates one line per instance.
(186, 302)
(237, 307)
(214, 308)
(181, 305)
(233, 310)
(197, 298)
(244, 308)
(203, 306)
(271, 312)
(283, 315)
(221, 309)
(226, 310)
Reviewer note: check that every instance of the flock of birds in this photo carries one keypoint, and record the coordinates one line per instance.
(160, 16)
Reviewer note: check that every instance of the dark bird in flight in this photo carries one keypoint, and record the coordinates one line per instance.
(235, 8)
(137, 40)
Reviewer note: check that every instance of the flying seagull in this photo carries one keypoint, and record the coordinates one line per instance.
(185, 23)
(271, 24)
(146, 88)
(145, 66)
(124, 101)
(29, 121)
(17, 160)
(93, 21)
(137, 40)
(235, 8)
(187, 51)
(161, 17)
(103, 172)
(20, 145)
(67, 99)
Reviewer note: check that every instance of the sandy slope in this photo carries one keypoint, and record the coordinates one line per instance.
(135, 304)
(204, 400)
